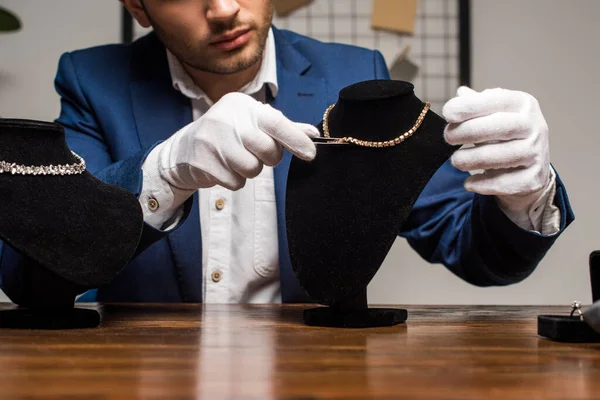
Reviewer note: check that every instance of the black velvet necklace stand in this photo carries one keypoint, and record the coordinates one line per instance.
(345, 208)
(74, 231)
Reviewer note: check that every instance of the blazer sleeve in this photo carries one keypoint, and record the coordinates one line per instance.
(468, 233)
(84, 136)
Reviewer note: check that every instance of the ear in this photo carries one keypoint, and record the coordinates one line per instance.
(137, 11)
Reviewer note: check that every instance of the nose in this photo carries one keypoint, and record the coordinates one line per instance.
(222, 10)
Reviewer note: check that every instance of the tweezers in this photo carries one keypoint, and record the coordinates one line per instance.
(324, 140)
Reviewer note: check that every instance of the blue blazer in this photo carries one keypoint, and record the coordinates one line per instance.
(118, 102)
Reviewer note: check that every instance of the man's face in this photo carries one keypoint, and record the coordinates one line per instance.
(217, 36)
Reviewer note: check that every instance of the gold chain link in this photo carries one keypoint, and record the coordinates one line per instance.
(365, 143)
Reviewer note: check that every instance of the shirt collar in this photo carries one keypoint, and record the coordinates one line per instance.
(267, 74)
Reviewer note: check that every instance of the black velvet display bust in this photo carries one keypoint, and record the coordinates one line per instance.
(345, 208)
(74, 231)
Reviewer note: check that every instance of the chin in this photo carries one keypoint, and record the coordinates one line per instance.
(237, 63)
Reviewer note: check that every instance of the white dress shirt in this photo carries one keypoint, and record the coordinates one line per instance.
(240, 254)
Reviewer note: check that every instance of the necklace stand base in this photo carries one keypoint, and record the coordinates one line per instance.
(354, 313)
(368, 318)
(48, 302)
(74, 318)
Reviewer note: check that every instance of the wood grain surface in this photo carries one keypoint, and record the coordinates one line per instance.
(266, 352)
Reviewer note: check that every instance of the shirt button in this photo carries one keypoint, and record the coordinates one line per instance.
(216, 276)
(152, 205)
(220, 204)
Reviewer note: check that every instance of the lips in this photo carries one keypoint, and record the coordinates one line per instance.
(232, 40)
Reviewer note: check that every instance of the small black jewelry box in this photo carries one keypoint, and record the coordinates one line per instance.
(565, 328)
(576, 327)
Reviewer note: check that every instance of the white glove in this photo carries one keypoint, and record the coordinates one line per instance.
(226, 146)
(231, 143)
(511, 148)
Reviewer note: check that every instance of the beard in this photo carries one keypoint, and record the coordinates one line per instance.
(198, 53)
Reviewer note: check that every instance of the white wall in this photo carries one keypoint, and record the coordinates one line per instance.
(546, 47)
(550, 49)
(29, 58)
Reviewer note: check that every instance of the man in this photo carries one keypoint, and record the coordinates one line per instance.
(196, 120)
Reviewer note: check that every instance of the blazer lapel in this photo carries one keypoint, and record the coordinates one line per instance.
(301, 98)
(159, 111)
(158, 108)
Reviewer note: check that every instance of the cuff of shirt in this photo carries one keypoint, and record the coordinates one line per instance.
(161, 203)
(535, 212)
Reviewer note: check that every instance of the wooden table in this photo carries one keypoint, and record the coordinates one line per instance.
(266, 352)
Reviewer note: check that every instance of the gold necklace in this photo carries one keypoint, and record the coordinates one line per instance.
(365, 143)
